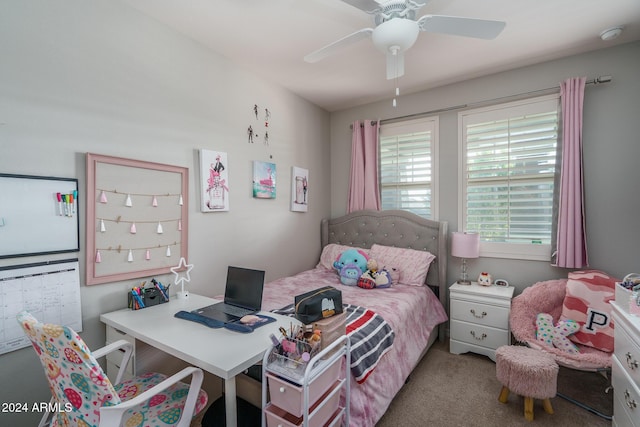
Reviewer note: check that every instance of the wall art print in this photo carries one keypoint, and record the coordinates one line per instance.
(299, 189)
(214, 181)
(264, 180)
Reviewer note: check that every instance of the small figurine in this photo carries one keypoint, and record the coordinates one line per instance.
(484, 279)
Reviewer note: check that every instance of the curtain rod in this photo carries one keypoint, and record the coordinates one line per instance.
(595, 81)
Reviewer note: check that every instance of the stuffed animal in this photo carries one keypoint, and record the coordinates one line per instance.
(558, 335)
(394, 274)
(375, 279)
(485, 279)
(372, 267)
(349, 274)
(368, 279)
(383, 279)
(351, 256)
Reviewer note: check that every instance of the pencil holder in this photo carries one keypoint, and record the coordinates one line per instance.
(142, 297)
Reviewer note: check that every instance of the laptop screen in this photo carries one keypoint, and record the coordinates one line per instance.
(244, 287)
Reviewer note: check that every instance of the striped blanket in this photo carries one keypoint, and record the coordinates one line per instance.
(369, 334)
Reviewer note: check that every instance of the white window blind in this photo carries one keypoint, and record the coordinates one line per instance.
(508, 164)
(407, 167)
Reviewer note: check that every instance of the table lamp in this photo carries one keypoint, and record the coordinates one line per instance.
(465, 245)
(182, 272)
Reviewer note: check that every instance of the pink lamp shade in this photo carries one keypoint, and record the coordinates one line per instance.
(465, 245)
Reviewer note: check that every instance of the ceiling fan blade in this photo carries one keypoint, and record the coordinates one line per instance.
(334, 47)
(395, 65)
(459, 26)
(369, 6)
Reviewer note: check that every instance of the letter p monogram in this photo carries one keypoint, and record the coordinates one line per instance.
(595, 320)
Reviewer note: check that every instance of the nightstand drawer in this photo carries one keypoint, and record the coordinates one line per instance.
(473, 333)
(627, 352)
(481, 314)
(626, 397)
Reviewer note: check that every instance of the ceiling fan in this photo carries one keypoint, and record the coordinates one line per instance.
(397, 30)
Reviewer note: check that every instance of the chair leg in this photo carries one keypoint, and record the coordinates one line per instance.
(504, 394)
(528, 408)
(546, 404)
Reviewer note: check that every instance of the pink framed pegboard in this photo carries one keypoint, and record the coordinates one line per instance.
(137, 218)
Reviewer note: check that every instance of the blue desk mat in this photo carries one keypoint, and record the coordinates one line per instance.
(233, 326)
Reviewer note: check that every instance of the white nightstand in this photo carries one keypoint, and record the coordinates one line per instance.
(479, 318)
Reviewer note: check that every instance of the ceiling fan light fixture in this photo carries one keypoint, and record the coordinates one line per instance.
(397, 33)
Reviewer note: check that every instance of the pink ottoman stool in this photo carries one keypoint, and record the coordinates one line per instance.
(530, 373)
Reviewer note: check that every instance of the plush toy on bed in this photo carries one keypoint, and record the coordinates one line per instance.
(383, 279)
(368, 279)
(350, 265)
(558, 335)
(350, 274)
(374, 278)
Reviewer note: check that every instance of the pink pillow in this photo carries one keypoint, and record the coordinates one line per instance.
(331, 253)
(412, 264)
(587, 302)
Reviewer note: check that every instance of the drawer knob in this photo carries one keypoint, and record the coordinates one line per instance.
(631, 363)
(631, 403)
(480, 338)
(282, 389)
(484, 313)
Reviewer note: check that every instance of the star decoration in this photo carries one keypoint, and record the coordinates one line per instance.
(182, 267)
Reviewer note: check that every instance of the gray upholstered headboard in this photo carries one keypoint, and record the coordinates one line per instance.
(397, 228)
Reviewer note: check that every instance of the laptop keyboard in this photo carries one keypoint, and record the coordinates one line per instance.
(236, 311)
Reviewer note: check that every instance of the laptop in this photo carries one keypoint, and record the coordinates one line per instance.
(242, 296)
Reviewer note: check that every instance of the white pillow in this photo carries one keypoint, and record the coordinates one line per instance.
(332, 252)
(412, 264)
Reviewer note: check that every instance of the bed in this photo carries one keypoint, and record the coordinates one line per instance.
(414, 311)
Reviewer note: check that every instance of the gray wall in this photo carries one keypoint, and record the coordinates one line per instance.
(611, 153)
(99, 77)
(78, 77)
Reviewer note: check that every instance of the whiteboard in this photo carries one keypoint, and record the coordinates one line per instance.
(32, 221)
(50, 291)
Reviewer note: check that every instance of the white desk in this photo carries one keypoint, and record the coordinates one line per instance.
(222, 352)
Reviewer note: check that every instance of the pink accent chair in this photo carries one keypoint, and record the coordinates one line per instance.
(548, 297)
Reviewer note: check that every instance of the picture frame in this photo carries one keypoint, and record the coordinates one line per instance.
(299, 189)
(214, 181)
(264, 180)
(137, 218)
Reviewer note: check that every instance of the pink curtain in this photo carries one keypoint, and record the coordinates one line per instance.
(571, 238)
(363, 186)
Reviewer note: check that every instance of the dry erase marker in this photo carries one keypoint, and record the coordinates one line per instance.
(64, 203)
(71, 205)
(59, 197)
(75, 200)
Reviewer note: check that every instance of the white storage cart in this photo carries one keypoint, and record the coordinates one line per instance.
(306, 393)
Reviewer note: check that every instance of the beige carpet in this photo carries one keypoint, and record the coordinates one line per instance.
(462, 390)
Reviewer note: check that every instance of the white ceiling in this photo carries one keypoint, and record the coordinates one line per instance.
(271, 37)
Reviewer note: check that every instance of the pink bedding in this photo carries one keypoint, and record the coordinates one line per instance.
(412, 311)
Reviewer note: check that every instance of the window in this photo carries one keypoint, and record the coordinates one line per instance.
(508, 166)
(407, 166)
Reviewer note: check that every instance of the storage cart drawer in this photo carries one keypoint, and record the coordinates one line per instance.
(289, 396)
(325, 409)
